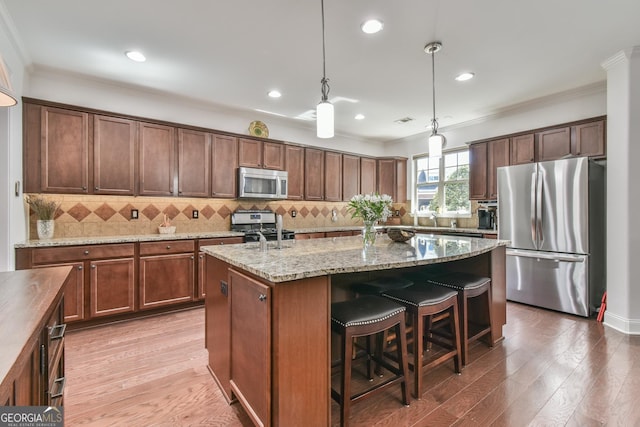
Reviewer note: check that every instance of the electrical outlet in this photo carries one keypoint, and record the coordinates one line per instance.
(194, 214)
(134, 213)
(397, 212)
(293, 214)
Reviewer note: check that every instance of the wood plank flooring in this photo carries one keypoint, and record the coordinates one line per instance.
(551, 370)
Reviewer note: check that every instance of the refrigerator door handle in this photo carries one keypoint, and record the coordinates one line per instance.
(534, 231)
(546, 255)
(539, 199)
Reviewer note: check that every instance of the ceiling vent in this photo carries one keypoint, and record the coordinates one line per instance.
(404, 120)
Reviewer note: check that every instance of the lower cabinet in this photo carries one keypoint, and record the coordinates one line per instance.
(302, 236)
(200, 291)
(166, 273)
(112, 287)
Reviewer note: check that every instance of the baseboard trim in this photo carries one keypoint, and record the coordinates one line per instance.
(622, 324)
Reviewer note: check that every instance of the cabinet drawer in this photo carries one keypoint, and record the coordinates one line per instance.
(78, 253)
(220, 241)
(166, 247)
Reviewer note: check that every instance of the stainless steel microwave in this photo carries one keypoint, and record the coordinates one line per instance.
(262, 183)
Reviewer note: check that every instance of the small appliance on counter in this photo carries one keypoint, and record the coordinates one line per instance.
(251, 222)
(486, 218)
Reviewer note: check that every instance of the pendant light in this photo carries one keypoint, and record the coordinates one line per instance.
(7, 98)
(324, 110)
(436, 140)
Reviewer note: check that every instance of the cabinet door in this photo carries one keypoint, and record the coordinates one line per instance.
(249, 153)
(332, 176)
(294, 159)
(273, 155)
(522, 149)
(224, 175)
(73, 292)
(28, 387)
(166, 280)
(589, 139)
(554, 144)
(478, 171)
(497, 156)
(157, 160)
(387, 177)
(112, 284)
(251, 345)
(114, 155)
(194, 161)
(350, 176)
(303, 236)
(313, 174)
(64, 151)
(368, 173)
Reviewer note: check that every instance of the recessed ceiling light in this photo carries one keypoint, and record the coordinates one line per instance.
(464, 76)
(359, 116)
(372, 26)
(274, 94)
(134, 55)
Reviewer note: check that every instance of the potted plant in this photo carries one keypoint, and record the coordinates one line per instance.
(45, 211)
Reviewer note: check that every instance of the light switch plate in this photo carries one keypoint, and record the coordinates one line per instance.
(134, 213)
(293, 214)
(194, 214)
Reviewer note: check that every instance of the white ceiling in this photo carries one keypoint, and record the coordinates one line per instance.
(231, 53)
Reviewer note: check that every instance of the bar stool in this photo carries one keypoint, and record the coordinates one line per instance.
(469, 286)
(363, 317)
(423, 302)
(381, 284)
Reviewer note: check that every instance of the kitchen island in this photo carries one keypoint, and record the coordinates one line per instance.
(268, 312)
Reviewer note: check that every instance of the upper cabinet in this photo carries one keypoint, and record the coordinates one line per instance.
(254, 153)
(497, 156)
(332, 176)
(157, 159)
(523, 149)
(313, 174)
(294, 156)
(368, 175)
(194, 163)
(583, 139)
(392, 178)
(478, 171)
(224, 176)
(350, 176)
(114, 155)
(554, 144)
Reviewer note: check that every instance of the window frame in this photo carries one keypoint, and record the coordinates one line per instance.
(440, 186)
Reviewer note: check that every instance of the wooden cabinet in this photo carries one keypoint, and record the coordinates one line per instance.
(294, 156)
(166, 273)
(114, 155)
(194, 163)
(342, 233)
(498, 154)
(64, 166)
(254, 153)
(200, 289)
(332, 176)
(224, 175)
(301, 236)
(251, 345)
(313, 174)
(74, 294)
(392, 178)
(157, 159)
(589, 139)
(522, 149)
(368, 175)
(554, 144)
(112, 286)
(350, 176)
(478, 171)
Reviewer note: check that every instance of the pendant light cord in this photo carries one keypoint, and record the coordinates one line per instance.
(434, 122)
(325, 80)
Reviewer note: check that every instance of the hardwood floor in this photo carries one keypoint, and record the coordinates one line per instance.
(551, 370)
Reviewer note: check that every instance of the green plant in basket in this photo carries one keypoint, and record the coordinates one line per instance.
(43, 208)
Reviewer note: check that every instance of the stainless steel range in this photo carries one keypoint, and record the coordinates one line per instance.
(253, 222)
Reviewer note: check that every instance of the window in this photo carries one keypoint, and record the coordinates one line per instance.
(442, 184)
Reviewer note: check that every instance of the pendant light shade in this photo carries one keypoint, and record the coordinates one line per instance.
(324, 110)
(7, 98)
(436, 140)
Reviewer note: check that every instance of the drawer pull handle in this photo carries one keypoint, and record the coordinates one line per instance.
(86, 252)
(57, 332)
(262, 297)
(61, 383)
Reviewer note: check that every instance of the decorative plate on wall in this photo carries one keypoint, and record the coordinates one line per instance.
(257, 128)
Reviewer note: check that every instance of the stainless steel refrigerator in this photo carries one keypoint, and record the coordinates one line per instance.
(554, 215)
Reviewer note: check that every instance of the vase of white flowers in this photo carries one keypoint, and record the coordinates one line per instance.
(371, 208)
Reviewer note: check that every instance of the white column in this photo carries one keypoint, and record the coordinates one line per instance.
(623, 191)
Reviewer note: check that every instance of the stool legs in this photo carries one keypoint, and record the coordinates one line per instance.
(464, 297)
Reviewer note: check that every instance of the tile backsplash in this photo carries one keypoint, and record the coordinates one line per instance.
(94, 215)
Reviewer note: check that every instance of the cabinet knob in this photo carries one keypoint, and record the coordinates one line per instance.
(168, 246)
(222, 243)
(262, 297)
(97, 188)
(84, 187)
(79, 267)
(86, 252)
(93, 266)
(192, 257)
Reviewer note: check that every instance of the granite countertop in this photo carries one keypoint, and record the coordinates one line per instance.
(320, 257)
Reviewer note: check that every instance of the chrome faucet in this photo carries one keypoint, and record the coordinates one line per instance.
(279, 230)
(434, 217)
(263, 242)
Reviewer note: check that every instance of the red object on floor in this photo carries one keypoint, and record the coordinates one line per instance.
(603, 307)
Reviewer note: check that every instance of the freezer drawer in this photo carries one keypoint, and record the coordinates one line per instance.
(549, 280)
